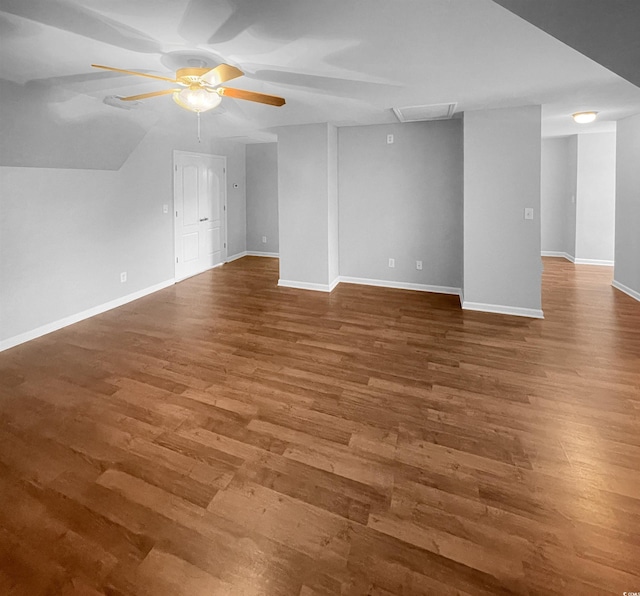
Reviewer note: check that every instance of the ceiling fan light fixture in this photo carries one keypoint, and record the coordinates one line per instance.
(201, 92)
(585, 117)
(197, 99)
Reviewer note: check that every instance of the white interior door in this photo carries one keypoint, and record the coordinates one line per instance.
(200, 212)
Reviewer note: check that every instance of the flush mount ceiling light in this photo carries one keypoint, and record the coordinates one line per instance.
(584, 117)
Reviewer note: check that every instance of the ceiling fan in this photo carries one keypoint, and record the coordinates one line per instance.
(200, 88)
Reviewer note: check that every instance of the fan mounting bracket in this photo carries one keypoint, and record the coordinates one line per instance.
(189, 76)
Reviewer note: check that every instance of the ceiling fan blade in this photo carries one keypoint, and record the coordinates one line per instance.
(133, 72)
(221, 74)
(272, 100)
(148, 95)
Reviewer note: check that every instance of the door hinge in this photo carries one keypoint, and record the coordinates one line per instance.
(225, 245)
(176, 214)
(176, 259)
(224, 170)
(224, 207)
(176, 167)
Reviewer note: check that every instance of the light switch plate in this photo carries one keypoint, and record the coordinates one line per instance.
(528, 212)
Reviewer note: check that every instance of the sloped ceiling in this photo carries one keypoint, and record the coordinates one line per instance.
(607, 31)
(345, 62)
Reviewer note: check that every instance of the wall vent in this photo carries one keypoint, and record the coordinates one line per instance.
(438, 111)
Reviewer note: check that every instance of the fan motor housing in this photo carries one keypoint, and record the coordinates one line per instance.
(188, 76)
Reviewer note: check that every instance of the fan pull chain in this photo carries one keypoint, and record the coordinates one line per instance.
(199, 141)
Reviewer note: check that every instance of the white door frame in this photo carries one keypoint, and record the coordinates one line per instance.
(177, 152)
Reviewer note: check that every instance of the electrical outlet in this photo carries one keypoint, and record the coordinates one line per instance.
(528, 212)
(419, 265)
(123, 277)
(392, 263)
(264, 240)
(389, 139)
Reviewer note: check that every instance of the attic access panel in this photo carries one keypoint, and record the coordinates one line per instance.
(438, 111)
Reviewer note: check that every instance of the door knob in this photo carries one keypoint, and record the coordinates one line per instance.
(205, 219)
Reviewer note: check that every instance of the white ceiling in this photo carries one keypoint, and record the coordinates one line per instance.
(339, 61)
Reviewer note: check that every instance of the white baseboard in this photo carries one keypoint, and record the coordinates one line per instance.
(553, 253)
(179, 279)
(503, 310)
(251, 253)
(577, 261)
(81, 316)
(236, 256)
(593, 262)
(626, 289)
(304, 285)
(400, 285)
(254, 253)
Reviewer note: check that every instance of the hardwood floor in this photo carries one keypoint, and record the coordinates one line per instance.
(226, 436)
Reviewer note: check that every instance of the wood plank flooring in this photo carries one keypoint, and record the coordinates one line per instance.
(226, 436)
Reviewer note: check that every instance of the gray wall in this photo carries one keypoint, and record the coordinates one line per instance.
(402, 201)
(595, 214)
(66, 234)
(502, 155)
(627, 242)
(578, 196)
(236, 197)
(333, 253)
(303, 183)
(262, 197)
(555, 194)
(572, 167)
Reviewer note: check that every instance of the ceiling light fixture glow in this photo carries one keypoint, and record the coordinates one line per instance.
(197, 99)
(584, 117)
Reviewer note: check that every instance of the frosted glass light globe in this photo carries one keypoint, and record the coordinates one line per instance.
(197, 99)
